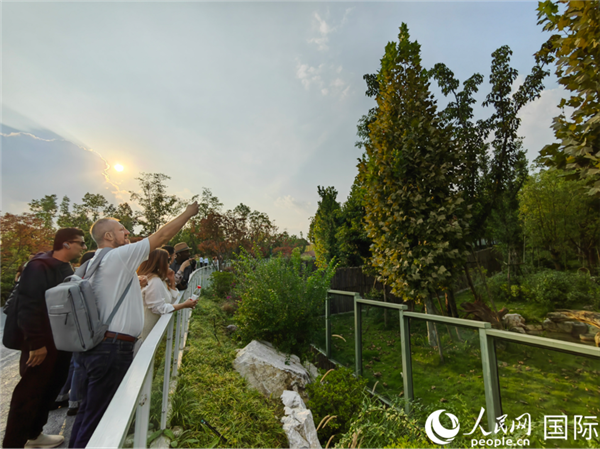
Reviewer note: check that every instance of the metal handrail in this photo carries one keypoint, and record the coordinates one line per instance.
(133, 394)
(486, 341)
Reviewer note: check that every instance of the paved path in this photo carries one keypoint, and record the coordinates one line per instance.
(58, 421)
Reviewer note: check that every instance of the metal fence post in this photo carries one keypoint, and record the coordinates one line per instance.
(142, 416)
(167, 375)
(176, 344)
(357, 336)
(327, 326)
(407, 378)
(491, 382)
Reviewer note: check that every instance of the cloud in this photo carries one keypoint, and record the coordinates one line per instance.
(325, 78)
(536, 121)
(324, 29)
(309, 75)
(289, 202)
(33, 167)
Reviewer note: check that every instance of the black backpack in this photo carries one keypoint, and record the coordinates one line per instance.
(12, 337)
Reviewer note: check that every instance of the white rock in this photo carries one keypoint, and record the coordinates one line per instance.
(298, 423)
(312, 370)
(514, 321)
(265, 369)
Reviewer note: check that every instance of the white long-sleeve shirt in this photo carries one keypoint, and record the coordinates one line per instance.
(158, 299)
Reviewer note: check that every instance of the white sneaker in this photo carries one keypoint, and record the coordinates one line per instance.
(46, 441)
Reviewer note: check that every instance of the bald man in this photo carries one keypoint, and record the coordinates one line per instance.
(106, 364)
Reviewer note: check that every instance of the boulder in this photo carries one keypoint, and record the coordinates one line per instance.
(549, 325)
(298, 423)
(566, 326)
(588, 337)
(578, 329)
(514, 322)
(557, 317)
(266, 370)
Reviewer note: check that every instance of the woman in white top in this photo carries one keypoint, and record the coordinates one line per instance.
(160, 292)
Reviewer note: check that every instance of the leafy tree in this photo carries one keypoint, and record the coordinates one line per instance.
(577, 56)
(559, 219)
(45, 209)
(68, 218)
(207, 204)
(352, 239)
(324, 226)
(22, 236)
(157, 207)
(124, 214)
(414, 216)
(92, 206)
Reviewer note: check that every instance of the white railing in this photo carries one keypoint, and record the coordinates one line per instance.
(133, 395)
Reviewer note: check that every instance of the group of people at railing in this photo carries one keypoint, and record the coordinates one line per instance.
(155, 273)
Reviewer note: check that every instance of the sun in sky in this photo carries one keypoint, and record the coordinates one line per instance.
(118, 167)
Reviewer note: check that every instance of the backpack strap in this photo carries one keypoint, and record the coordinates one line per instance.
(92, 269)
(96, 264)
(112, 314)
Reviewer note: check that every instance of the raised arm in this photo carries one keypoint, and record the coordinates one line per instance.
(168, 231)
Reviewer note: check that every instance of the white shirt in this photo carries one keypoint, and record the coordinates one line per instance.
(109, 282)
(206, 260)
(158, 299)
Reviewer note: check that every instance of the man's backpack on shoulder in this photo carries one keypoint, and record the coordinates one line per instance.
(73, 310)
(12, 335)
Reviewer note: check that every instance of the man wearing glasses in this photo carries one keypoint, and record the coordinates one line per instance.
(43, 368)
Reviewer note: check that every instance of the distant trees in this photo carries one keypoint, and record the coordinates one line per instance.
(561, 223)
(23, 235)
(157, 206)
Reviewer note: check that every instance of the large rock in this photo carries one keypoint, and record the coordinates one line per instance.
(549, 325)
(514, 322)
(266, 370)
(298, 423)
(578, 329)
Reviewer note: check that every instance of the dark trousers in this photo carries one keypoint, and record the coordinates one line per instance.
(104, 366)
(34, 396)
(72, 387)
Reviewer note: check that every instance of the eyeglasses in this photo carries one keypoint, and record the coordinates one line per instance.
(79, 242)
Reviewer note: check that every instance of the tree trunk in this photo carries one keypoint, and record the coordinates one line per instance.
(451, 303)
(470, 282)
(433, 335)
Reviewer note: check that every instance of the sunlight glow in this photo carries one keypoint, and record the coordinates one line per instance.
(118, 167)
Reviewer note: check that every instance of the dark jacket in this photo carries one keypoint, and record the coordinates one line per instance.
(186, 273)
(41, 273)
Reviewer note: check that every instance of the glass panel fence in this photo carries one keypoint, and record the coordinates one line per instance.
(446, 366)
(548, 383)
(381, 351)
(342, 329)
(318, 339)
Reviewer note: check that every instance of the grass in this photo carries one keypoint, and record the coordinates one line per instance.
(536, 381)
(210, 389)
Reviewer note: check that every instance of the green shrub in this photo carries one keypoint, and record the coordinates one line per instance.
(561, 289)
(550, 288)
(378, 425)
(222, 283)
(336, 393)
(281, 300)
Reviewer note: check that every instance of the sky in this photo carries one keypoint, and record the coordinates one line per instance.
(256, 101)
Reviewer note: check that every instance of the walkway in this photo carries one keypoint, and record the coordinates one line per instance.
(58, 421)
